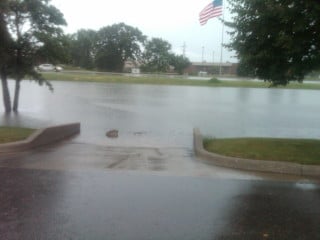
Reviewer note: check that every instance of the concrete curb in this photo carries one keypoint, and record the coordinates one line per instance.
(252, 165)
(42, 137)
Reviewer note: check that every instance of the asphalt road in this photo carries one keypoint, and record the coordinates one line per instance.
(76, 191)
(87, 189)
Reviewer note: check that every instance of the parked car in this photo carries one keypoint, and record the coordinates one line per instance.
(49, 67)
(59, 69)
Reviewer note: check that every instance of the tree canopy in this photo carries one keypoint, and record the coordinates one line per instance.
(83, 48)
(179, 62)
(278, 41)
(157, 56)
(5, 52)
(115, 44)
(109, 48)
(33, 30)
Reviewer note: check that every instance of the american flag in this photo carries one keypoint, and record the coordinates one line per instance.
(213, 9)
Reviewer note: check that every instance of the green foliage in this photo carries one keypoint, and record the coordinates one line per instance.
(34, 35)
(109, 48)
(83, 48)
(161, 80)
(214, 80)
(55, 50)
(115, 44)
(5, 41)
(314, 74)
(245, 70)
(5, 53)
(278, 41)
(11, 134)
(303, 151)
(179, 62)
(157, 56)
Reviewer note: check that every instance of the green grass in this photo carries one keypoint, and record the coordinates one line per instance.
(303, 151)
(157, 80)
(12, 134)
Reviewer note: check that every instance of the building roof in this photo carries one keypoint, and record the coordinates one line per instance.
(211, 64)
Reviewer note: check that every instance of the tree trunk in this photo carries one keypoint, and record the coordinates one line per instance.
(5, 90)
(16, 96)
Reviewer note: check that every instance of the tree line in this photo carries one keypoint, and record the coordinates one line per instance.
(110, 47)
(31, 33)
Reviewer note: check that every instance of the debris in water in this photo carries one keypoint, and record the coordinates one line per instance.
(139, 133)
(112, 133)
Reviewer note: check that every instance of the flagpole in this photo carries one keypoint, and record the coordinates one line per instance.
(222, 39)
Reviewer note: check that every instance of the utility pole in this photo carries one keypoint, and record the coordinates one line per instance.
(222, 36)
(203, 54)
(184, 48)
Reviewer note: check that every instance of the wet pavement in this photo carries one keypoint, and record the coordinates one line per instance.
(174, 161)
(83, 191)
(48, 204)
(72, 155)
(147, 184)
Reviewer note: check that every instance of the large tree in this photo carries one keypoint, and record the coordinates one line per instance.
(83, 48)
(179, 62)
(116, 44)
(157, 55)
(279, 41)
(34, 28)
(5, 52)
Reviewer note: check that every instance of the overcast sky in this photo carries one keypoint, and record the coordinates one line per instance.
(173, 20)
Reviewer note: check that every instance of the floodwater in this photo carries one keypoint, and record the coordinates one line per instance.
(125, 206)
(147, 184)
(148, 115)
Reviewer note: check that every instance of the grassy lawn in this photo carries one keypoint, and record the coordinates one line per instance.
(301, 151)
(11, 134)
(157, 80)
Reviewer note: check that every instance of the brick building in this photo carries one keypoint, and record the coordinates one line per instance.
(212, 68)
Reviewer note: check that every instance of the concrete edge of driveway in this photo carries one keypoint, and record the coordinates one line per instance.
(252, 165)
(42, 137)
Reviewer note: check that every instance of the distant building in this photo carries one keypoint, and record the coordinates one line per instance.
(131, 66)
(135, 70)
(212, 68)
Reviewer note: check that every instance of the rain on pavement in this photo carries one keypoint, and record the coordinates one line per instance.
(147, 184)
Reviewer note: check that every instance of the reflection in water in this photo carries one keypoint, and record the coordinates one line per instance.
(31, 205)
(99, 205)
(20, 119)
(116, 205)
(269, 211)
(275, 96)
(243, 94)
(167, 114)
(307, 185)
(95, 204)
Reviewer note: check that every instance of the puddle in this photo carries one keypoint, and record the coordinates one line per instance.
(306, 185)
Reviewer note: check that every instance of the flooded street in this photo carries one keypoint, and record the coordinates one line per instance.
(49, 204)
(147, 183)
(155, 124)
(148, 115)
